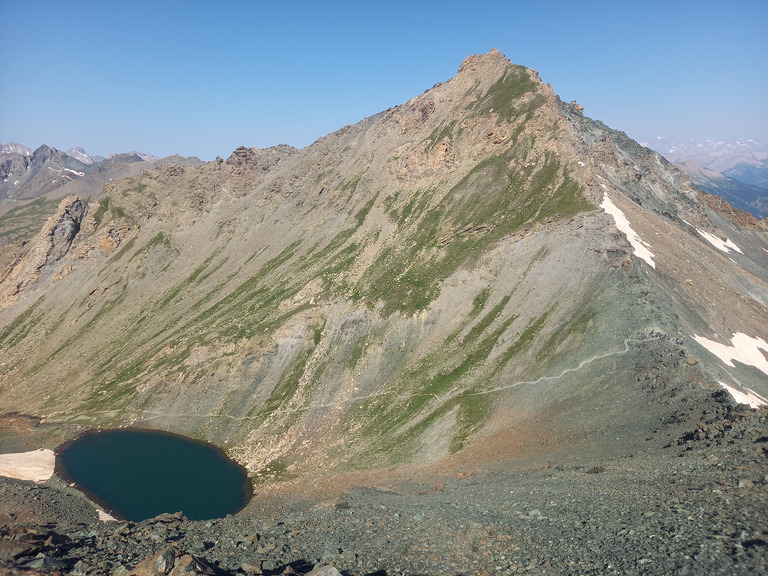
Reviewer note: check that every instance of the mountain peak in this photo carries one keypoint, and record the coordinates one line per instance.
(81, 155)
(15, 148)
(482, 62)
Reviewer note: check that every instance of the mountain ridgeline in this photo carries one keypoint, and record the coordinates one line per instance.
(403, 290)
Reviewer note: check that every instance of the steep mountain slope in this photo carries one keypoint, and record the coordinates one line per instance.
(437, 278)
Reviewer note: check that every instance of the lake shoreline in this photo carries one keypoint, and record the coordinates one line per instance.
(174, 473)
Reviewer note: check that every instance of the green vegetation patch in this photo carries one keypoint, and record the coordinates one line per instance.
(428, 393)
(287, 386)
(22, 325)
(578, 324)
(451, 381)
(108, 206)
(502, 95)
(442, 132)
(25, 221)
(436, 238)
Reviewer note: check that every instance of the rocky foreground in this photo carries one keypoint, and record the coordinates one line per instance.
(694, 501)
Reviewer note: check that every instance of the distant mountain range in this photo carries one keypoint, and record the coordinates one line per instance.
(735, 170)
(15, 148)
(719, 155)
(32, 181)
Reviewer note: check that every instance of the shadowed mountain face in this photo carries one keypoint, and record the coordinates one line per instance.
(746, 197)
(445, 276)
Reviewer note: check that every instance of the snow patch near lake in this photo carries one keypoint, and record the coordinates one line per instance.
(744, 348)
(639, 248)
(36, 465)
(749, 397)
(105, 516)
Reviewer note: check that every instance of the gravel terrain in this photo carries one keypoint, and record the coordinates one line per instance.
(695, 501)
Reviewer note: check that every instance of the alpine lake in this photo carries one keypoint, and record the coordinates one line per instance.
(138, 474)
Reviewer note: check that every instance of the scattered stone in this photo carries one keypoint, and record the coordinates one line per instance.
(45, 563)
(324, 571)
(341, 505)
(251, 565)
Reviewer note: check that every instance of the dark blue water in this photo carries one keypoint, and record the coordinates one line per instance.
(138, 474)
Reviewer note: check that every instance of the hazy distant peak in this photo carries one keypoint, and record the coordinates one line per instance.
(144, 157)
(15, 148)
(81, 155)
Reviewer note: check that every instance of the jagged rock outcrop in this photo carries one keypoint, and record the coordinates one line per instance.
(45, 250)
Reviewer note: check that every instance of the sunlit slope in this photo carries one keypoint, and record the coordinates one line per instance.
(396, 292)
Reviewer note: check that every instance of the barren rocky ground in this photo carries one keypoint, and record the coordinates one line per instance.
(690, 497)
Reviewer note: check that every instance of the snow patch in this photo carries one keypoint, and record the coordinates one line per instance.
(75, 172)
(723, 245)
(36, 466)
(15, 183)
(748, 397)
(639, 248)
(744, 348)
(581, 163)
(105, 516)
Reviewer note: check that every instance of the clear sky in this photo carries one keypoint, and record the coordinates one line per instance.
(200, 78)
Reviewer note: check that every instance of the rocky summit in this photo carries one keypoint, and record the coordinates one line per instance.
(477, 333)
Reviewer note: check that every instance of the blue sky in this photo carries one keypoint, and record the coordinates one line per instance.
(200, 78)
